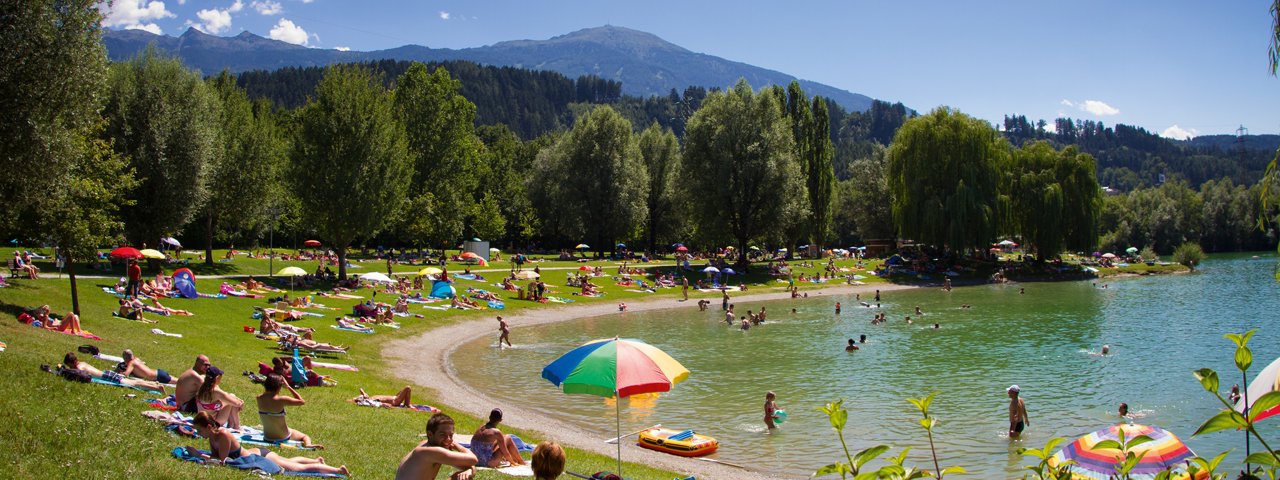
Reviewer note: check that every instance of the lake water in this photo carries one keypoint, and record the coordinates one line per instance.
(1160, 329)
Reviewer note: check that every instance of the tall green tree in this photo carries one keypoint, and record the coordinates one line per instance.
(165, 119)
(660, 152)
(62, 180)
(502, 175)
(820, 173)
(351, 162)
(445, 152)
(865, 204)
(244, 177)
(1055, 199)
(743, 179)
(943, 170)
(601, 178)
(487, 221)
(52, 78)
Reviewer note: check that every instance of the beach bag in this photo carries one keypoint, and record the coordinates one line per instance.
(88, 349)
(26, 318)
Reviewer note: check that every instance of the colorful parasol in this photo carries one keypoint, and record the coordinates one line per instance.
(311, 243)
(1164, 451)
(526, 275)
(582, 246)
(614, 366)
(430, 271)
(682, 248)
(1267, 381)
(151, 253)
(126, 252)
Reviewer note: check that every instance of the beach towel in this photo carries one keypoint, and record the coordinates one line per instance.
(100, 381)
(591, 295)
(525, 470)
(144, 320)
(167, 404)
(158, 331)
(559, 300)
(334, 366)
(247, 462)
(81, 333)
(377, 404)
(465, 441)
(497, 304)
(366, 330)
(254, 436)
(436, 307)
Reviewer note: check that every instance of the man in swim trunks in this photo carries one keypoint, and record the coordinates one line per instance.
(505, 332)
(425, 460)
(134, 366)
(492, 447)
(188, 383)
(1018, 419)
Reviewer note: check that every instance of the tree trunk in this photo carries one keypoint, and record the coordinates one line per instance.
(208, 240)
(75, 294)
(743, 263)
(342, 262)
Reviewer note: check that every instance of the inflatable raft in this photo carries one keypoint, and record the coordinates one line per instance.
(683, 443)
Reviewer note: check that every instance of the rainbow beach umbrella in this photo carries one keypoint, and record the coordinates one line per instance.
(615, 367)
(1164, 452)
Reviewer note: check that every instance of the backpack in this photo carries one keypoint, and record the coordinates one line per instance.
(88, 349)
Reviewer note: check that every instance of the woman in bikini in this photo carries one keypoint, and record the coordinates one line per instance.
(222, 405)
(403, 398)
(224, 446)
(271, 407)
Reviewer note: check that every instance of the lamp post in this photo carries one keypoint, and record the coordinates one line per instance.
(271, 248)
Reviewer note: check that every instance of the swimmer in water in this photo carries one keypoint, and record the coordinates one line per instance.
(851, 347)
(1124, 410)
(862, 338)
(909, 322)
(918, 312)
(1106, 349)
(936, 326)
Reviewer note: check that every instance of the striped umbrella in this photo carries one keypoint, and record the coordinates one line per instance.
(615, 367)
(1164, 451)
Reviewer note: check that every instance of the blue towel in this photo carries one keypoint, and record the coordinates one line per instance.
(254, 462)
(520, 445)
(256, 438)
(685, 435)
(497, 304)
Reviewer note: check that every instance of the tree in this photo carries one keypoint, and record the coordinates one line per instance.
(52, 77)
(866, 205)
(660, 152)
(61, 178)
(243, 179)
(440, 124)
(943, 168)
(1055, 199)
(486, 218)
(502, 175)
(820, 173)
(164, 118)
(743, 179)
(1189, 254)
(600, 178)
(351, 159)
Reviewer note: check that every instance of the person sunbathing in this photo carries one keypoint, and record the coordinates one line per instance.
(268, 326)
(309, 344)
(67, 324)
(70, 361)
(131, 308)
(492, 447)
(271, 407)
(464, 303)
(135, 367)
(251, 284)
(281, 315)
(163, 310)
(403, 398)
(483, 295)
(508, 285)
(347, 323)
(222, 405)
(224, 445)
(402, 305)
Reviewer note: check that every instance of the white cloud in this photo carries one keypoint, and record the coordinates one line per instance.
(133, 14)
(308, 1)
(236, 7)
(1097, 108)
(444, 15)
(1179, 133)
(267, 7)
(286, 31)
(214, 21)
(342, 49)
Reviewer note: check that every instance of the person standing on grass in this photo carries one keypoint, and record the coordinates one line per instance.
(1018, 419)
(135, 278)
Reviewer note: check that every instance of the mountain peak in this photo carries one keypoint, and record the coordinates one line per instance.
(609, 36)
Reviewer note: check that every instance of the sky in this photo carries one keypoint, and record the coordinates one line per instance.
(1177, 68)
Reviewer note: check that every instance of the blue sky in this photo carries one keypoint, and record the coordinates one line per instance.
(1176, 67)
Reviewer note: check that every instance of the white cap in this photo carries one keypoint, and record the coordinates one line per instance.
(1013, 388)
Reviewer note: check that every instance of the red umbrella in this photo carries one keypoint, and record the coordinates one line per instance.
(311, 243)
(126, 252)
(584, 268)
(469, 255)
(682, 248)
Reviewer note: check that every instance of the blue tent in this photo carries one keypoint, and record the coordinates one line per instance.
(442, 289)
(185, 283)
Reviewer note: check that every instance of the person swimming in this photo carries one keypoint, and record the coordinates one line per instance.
(851, 347)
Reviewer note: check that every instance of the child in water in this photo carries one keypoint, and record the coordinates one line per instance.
(770, 409)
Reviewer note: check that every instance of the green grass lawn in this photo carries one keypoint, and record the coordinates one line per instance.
(59, 429)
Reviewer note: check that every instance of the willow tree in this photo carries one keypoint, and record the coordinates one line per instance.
(743, 181)
(943, 170)
(351, 159)
(660, 152)
(600, 181)
(165, 119)
(1055, 198)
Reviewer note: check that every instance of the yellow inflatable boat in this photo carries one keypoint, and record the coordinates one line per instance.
(676, 442)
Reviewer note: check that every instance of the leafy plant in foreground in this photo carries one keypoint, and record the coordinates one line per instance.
(1229, 418)
(1043, 470)
(853, 465)
(928, 422)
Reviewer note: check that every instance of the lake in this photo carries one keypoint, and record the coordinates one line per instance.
(1159, 328)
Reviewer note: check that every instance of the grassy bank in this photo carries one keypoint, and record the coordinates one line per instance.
(70, 430)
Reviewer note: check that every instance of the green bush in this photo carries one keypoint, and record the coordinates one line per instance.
(1189, 254)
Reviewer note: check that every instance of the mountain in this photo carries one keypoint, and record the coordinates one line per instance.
(645, 64)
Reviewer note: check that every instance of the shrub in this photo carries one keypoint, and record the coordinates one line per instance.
(1189, 254)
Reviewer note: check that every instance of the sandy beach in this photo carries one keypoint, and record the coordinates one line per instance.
(424, 360)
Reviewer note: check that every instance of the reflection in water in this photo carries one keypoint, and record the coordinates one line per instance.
(1158, 328)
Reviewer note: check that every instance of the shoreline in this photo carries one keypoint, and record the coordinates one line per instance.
(424, 360)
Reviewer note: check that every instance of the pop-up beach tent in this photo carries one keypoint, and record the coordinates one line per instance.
(442, 289)
(185, 283)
